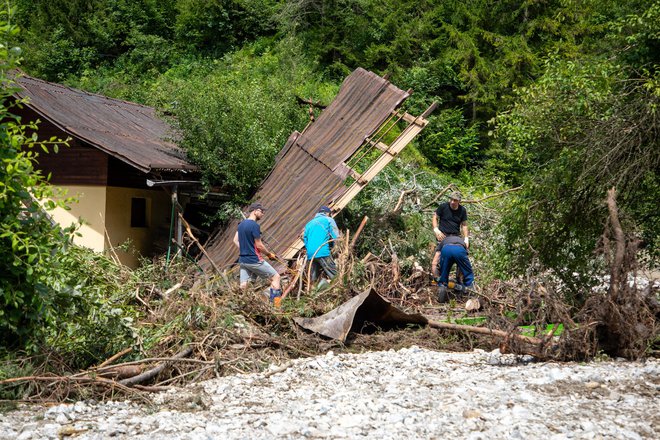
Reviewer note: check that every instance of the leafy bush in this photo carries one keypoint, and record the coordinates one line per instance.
(51, 293)
(235, 115)
(217, 27)
(584, 127)
(93, 317)
(449, 141)
(29, 243)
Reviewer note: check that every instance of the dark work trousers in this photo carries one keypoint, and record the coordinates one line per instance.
(455, 253)
(325, 264)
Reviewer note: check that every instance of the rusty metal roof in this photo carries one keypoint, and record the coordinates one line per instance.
(128, 131)
(309, 171)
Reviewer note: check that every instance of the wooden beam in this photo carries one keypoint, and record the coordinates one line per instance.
(380, 145)
(397, 146)
(418, 120)
(354, 174)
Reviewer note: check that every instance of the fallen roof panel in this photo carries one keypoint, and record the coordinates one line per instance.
(309, 170)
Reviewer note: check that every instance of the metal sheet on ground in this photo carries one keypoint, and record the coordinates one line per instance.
(367, 310)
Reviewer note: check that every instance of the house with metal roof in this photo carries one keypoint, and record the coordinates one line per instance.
(115, 149)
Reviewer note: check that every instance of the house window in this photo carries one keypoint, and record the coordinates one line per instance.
(138, 212)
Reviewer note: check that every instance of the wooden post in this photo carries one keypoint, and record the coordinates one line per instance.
(179, 225)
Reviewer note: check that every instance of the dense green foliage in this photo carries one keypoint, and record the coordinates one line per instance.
(587, 124)
(29, 242)
(50, 294)
(560, 96)
(244, 104)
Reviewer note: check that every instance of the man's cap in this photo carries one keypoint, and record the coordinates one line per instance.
(324, 210)
(255, 206)
(456, 195)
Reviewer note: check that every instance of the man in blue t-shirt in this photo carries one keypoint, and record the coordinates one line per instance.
(248, 240)
(319, 236)
(449, 221)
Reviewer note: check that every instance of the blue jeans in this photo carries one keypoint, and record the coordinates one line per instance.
(262, 269)
(454, 253)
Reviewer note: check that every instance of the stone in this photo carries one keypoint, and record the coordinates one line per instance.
(407, 393)
(471, 413)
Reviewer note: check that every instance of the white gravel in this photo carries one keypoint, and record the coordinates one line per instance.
(411, 393)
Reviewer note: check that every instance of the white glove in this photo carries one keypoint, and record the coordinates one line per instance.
(467, 242)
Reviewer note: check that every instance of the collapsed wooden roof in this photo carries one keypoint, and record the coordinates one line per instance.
(311, 169)
(130, 132)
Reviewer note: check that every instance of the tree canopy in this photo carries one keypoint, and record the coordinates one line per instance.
(560, 96)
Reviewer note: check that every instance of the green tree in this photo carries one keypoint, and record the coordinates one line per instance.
(450, 142)
(235, 115)
(216, 27)
(29, 242)
(66, 37)
(586, 125)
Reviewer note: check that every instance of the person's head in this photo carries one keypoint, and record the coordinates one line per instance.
(256, 210)
(455, 199)
(324, 210)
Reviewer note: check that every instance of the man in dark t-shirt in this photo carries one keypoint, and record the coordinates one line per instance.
(449, 221)
(450, 218)
(248, 240)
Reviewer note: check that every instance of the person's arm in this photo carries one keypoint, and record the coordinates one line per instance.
(305, 235)
(334, 230)
(464, 229)
(260, 245)
(438, 234)
(238, 245)
(434, 265)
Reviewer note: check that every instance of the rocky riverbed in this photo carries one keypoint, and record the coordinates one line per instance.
(410, 393)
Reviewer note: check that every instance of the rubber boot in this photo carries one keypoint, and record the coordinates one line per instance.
(276, 297)
(442, 293)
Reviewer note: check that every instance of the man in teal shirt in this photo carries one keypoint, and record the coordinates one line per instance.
(320, 233)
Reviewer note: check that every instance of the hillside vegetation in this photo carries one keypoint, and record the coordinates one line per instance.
(556, 101)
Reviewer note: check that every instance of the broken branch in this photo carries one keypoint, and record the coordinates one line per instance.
(484, 331)
(491, 196)
(155, 371)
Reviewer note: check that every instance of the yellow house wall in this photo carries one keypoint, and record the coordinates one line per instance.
(90, 208)
(118, 220)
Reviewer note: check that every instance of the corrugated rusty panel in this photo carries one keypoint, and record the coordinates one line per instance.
(364, 101)
(308, 171)
(298, 185)
(130, 132)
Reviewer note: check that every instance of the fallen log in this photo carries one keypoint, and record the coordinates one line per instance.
(115, 357)
(156, 370)
(364, 221)
(121, 372)
(484, 331)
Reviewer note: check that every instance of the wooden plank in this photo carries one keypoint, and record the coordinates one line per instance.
(416, 119)
(380, 145)
(355, 175)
